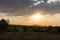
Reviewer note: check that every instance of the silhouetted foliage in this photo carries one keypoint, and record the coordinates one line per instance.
(22, 28)
(49, 28)
(58, 29)
(3, 25)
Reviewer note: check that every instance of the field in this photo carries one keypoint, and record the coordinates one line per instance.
(24, 32)
(29, 36)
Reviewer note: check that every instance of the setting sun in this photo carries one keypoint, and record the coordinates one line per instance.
(36, 16)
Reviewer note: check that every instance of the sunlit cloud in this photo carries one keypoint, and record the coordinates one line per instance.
(36, 19)
(18, 7)
(37, 3)
(23, 11)
(36, 16)
(35, 0)
(53, 1)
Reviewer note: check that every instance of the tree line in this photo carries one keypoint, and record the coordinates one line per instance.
(5, 26)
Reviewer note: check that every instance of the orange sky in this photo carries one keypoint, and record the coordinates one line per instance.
(27, 20)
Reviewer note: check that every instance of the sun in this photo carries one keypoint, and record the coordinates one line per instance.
(36, 16)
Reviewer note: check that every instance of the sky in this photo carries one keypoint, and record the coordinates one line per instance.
(21, 11)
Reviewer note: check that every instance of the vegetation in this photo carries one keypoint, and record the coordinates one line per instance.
(24, 32)
(5, 26)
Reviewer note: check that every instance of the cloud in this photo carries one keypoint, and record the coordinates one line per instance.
(14, 6)
(21, 7)
(52, 8)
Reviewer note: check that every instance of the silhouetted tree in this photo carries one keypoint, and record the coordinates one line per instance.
(24, 28)
(3, 25)
(58, 29)
(49, 28)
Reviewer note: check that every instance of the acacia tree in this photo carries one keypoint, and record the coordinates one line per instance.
(3, 25)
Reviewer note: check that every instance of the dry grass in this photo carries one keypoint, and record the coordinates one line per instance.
(28, 36)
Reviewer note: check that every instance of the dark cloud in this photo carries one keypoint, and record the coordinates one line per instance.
(52, 8)
(12, 6)
(45, 1)
(21, 7)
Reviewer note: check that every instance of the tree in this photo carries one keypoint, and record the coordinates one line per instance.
(49, 29)
(3, 25)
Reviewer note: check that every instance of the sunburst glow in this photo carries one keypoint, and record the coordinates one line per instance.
(36, 16)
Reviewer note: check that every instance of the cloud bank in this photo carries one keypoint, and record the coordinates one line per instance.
(21, 7)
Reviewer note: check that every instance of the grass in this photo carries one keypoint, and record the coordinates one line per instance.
(29, 36)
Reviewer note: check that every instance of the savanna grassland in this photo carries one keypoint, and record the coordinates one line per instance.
(24, 32)
(28, 36)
